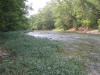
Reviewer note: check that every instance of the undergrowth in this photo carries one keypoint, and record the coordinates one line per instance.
(36, 56)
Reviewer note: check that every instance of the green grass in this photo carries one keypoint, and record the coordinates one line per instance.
(35, 56)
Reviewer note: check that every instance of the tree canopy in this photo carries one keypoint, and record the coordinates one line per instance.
(66, 14)
(12, 14)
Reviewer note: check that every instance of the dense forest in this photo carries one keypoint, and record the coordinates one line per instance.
(66, 14)
(57, 14)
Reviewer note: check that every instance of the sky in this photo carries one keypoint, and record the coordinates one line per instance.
(36, 5)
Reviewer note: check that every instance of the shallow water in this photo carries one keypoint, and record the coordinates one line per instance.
(87, 45)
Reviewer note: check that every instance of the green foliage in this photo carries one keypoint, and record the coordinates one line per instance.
(66, 14)
(86, 23)
(98, 23)
(36, 56)
(12, 14)
(43, 20)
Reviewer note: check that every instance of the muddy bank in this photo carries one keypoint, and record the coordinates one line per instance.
(87, 31)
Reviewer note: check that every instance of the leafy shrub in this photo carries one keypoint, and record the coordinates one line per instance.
(86, 23)
(98, 23)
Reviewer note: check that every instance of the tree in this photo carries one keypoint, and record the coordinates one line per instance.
(12, 14)
(66, 14)
(43, 20)
(70, 13)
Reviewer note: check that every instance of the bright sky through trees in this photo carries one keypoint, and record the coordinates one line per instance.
(37, 4)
